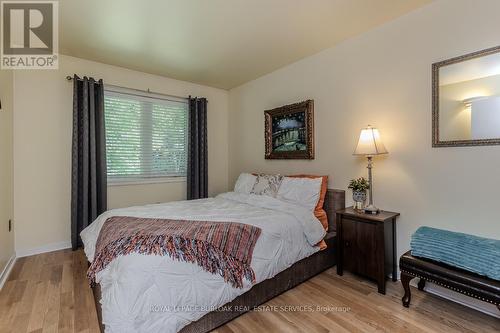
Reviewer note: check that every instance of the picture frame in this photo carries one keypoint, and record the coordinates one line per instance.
(289, 131)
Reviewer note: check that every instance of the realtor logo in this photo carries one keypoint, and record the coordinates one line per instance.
(29, 35)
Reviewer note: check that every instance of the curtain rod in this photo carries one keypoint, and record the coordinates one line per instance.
(70, 78)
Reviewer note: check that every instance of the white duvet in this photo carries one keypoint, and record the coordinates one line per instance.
(147, 293)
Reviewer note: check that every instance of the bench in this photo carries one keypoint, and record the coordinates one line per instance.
(459, 280)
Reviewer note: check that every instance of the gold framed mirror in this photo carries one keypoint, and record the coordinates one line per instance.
(466, 100)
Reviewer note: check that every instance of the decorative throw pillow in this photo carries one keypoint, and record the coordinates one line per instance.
(245, 183)
(267, 185)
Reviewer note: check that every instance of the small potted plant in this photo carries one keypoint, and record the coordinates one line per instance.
(359, 187)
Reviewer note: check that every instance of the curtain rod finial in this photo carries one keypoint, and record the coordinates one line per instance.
(69, 78)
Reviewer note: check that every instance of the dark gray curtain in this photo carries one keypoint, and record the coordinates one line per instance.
(197, 168)
(88, 176)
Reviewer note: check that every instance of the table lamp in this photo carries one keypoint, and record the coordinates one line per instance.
(369, 145)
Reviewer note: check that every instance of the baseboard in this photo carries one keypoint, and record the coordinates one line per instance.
(44, 249)
(6, 271)
(459, 298)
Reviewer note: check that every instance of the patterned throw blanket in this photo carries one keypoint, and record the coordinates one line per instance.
(224, 248)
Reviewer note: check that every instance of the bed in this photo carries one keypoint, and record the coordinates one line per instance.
(133, 291)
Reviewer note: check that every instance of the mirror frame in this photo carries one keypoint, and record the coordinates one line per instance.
(435, 102)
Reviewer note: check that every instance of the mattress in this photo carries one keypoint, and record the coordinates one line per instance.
(147, 293)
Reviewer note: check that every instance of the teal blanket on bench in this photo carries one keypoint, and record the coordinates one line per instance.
(472, 253)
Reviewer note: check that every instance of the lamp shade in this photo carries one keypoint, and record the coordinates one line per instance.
(370, 143)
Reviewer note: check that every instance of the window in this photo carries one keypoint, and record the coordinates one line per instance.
(146, 137)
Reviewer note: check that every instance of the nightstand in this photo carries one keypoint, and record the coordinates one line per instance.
(366, 244)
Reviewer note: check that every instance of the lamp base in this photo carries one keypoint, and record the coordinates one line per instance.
(371, 209)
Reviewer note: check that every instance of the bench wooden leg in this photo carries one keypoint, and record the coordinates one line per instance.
(421, 284)
(405, 281)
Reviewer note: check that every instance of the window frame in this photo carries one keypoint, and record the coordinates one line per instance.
(128, 181)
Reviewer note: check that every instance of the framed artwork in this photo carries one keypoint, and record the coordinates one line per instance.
(289, 131)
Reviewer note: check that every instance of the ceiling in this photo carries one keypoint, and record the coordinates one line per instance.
(220, 43)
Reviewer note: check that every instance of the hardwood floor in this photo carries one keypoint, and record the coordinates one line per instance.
(44, 292)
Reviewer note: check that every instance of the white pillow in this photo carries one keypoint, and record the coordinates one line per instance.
(245, 183)
(304, 192)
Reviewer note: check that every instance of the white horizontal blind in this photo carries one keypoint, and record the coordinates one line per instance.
(146, 137)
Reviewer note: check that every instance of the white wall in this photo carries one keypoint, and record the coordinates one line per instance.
(6, 190)
(141, 194)
(383, 78)
(42, 148)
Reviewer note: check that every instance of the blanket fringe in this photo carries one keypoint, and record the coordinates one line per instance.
(203, 253)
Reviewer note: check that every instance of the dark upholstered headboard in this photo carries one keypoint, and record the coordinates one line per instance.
(334, 200)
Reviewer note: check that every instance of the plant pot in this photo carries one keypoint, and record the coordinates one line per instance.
(359, 198)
